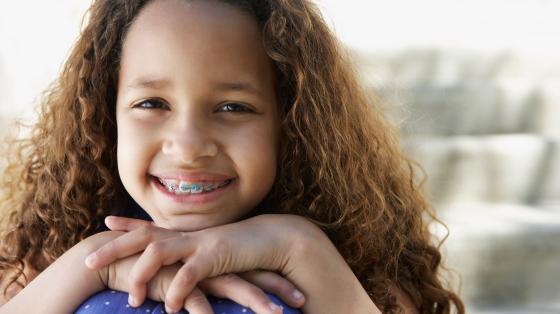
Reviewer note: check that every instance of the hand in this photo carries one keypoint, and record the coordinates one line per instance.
(288, 244)
(244, 288)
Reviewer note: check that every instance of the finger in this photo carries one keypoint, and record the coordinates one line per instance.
(157, 255)
(117, 223)
(184, 281)
(157, 287)
(235, 288)
(196, 303)
(277, 285)
(127, 244)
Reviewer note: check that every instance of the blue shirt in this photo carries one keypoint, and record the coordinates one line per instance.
(116, 302)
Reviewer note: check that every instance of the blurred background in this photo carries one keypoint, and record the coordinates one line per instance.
(474, 87)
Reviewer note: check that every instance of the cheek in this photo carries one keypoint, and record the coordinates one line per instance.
(133, 147)
(254, 152)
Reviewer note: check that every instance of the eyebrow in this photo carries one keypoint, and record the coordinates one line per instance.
(161, 83)
(238, 86)
(149, 83)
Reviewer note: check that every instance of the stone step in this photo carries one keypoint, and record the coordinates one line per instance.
(448, 92)
(479, 108)
(519, 168)
(445, 67)
(530, 309)
(507, 254)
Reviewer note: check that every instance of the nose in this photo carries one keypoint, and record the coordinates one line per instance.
(189, 141)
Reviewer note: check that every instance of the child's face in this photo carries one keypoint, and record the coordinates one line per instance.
(196, 108)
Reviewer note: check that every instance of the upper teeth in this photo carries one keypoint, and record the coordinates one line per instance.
(191, 187)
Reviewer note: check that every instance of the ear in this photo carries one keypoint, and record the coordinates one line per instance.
(116, 223)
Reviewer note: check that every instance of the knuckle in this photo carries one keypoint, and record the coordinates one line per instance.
(276, 281)
(186, 274)
(253, 291)
(155, 248)
(112, 278)
(272, 281)
(133, 282)
(174, 303)
(109, 247)
(285, 290)
(248, 296)
(229, 279)
(219, 244)
(196, 300)
(277, 286)
(160, 288)
(145, 232)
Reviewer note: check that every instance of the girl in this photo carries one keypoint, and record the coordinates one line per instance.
(240, 129)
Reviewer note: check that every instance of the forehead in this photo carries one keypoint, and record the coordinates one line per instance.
(180, 38)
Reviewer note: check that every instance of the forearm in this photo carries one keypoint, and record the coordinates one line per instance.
(330, 286)
(324, 277)
(63, 285)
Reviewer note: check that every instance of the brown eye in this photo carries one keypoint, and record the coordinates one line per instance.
(235, 107)
(151, 104)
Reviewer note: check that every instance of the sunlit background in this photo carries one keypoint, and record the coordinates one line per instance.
(475, 89)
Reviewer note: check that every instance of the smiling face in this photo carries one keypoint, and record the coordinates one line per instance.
(197, 116)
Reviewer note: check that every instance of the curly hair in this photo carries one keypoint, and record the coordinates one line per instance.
(340, 164)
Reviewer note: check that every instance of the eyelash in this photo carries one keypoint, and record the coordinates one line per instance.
(230, 105)
(156, 104)
(160, 104)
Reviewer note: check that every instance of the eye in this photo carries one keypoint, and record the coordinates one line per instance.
(152, 103)
(235, 107)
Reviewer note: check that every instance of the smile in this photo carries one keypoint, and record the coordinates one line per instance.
(179, 187)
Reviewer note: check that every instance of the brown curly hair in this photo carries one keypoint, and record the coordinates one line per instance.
(340, 163)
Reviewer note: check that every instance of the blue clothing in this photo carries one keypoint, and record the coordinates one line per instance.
(116, 302)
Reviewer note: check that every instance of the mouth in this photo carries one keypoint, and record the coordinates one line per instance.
(180, 187)
(191, 192)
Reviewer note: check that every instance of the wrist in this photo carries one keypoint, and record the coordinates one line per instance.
(103, 275)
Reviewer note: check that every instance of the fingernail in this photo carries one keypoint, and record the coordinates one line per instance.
(274, 307)
(91, 259)
(132, 300)
(169, 310)
(297, 294)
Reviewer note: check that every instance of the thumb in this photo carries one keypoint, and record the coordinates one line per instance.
(117, 223)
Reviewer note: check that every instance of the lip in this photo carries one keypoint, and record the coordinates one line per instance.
(193, 176)
(194, 199)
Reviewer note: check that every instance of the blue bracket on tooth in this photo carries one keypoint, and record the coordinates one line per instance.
(196, 188)
(184, 187)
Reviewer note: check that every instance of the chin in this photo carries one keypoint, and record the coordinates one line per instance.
(187, 223)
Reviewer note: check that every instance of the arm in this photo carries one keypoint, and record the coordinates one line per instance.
(288, 244)
(67, 282)
(324, 276)
(13, 289)
(317, 249)
(64, 284)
